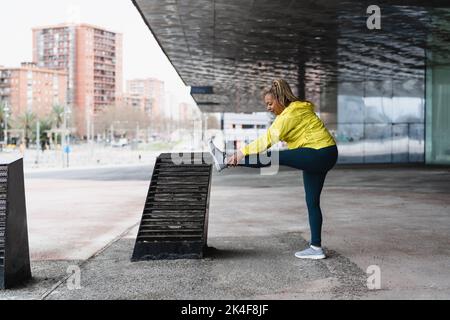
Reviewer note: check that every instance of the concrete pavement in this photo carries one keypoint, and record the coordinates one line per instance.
(396, 218)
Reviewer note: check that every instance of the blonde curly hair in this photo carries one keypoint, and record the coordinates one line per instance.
(281, 92)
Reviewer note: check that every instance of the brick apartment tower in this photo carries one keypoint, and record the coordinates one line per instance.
(92, 58)
(152, 89)
(32, 89)
(185, 111)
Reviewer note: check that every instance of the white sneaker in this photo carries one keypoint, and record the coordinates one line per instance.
(311, 253)
(217, 155)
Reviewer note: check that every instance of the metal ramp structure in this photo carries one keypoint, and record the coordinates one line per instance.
(14, 253)
(174, 222)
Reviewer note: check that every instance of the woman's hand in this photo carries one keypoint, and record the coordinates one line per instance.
(235, 158)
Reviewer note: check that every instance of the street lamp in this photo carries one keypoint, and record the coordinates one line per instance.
(6, 111)
(65, 139)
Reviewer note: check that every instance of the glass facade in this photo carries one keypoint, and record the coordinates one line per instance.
(368, 74)
(438, 114)
(438, 91)
(381, 121)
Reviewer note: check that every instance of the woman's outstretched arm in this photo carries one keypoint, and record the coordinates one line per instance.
(265, 141)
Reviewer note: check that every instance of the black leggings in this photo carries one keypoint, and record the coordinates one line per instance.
(315, 164)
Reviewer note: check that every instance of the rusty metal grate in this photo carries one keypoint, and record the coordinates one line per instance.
(175, 216)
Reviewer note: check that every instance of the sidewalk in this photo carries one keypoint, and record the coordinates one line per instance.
(394, 218)
(82, 156)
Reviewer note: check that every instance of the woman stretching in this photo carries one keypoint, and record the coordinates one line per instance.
(311, 148)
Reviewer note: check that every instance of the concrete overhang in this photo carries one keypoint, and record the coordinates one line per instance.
(238, 47)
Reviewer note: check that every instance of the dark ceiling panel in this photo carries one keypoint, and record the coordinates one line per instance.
(239, 46)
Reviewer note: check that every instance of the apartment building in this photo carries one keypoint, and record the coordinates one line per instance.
(92, 58)
(149, 89)
(29, 88)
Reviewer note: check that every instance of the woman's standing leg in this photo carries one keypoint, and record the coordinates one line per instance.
(313, 183)
(314, 166)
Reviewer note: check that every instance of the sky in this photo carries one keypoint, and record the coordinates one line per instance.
(142, 56)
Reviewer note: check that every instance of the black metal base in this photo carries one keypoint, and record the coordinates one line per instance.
(168, 250)
(174, 223)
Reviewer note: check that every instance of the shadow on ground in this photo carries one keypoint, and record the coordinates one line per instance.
(233, 268)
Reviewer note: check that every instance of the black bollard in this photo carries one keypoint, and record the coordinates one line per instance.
(14, 252)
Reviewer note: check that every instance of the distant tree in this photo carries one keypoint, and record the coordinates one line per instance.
(123, 119)
(26, 122)
(45, 125)
(2, 119)
(212, 122)
(57, 116)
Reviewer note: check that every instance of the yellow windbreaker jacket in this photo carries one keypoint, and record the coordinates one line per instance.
(298, 125)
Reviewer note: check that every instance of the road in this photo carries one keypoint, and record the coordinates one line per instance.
(116, 173)
(73, 213)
